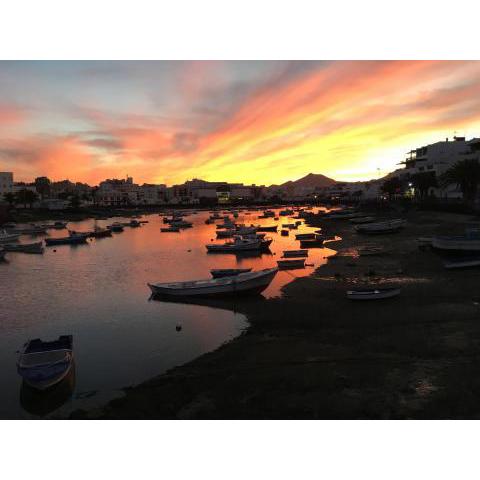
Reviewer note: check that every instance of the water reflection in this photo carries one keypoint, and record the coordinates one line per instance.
(98, 293)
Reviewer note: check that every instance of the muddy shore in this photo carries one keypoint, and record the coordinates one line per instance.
(314, 354)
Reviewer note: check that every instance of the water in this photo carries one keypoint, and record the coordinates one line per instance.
(98, 293)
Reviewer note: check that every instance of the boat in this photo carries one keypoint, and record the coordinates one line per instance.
(388, 226)
(295, 253)
(181, 224)
(239, 244)
(29, 230)
(457, 244)
(134, 223)
(267, 214)
(99, 232)
(267, 228)
(116, 227)
(284, 264)
(243, 283)
(44, 364)
(58, 225)
(228, 272)
(170, 229)
(362, 220)
(225, 233)
(305, 236)
(368, 250)
(8, 237)
(25, 247)
(284, 232)
(373, 293)
(73, 239)
(317, 242)
(467, 262)
(285, 213)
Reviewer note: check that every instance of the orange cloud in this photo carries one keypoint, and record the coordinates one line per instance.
(343, 119)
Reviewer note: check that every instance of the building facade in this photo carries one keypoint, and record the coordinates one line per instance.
(6, 184)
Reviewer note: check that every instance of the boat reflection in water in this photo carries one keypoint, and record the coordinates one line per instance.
(42, 403)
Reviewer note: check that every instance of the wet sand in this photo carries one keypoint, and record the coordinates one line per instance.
(314, 354)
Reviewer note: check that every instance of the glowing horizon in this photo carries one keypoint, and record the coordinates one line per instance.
(262, 122)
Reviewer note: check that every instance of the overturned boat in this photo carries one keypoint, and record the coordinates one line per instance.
(244, 283)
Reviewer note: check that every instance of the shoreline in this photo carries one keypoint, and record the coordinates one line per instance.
(314, 354)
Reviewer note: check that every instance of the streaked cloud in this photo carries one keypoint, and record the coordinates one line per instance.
(260, 122)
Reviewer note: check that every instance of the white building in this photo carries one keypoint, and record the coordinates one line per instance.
(6, 184)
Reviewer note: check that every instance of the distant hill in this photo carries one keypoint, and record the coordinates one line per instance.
(310, 180)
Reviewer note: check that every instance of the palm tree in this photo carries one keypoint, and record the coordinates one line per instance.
(392, 186)
(9, 198)
(466, 175)
(423, 182)
(27, 197)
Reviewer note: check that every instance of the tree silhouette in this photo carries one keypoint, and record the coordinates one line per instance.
(466, 175)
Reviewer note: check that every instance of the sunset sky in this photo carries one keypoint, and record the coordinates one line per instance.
(257, 122)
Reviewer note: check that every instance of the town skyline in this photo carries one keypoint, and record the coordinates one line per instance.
(254, 122)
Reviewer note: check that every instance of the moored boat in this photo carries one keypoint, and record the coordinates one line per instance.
(8, 237)
(305, 236)
(44, 364)
(73, 239)
(295, 253)
(116, 227)
(36, 248)
(239, 244)
(297, 263)
(170, 229)
(463, 263)
(458, 244)
(373, 293)
(267, 228)
(388, 226)
(244, 283)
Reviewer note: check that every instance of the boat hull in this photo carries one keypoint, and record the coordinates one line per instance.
(236, 286)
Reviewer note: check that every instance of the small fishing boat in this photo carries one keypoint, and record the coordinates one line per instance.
(362, 220)
(318, 241)
(305, 236)
(465, 262)
(44, 364)
(238, 245)
(134, 224)
(389, 226)
(99, 232)
(284, 232)
(244, 283)
(228, 272)
(458, 244)
(267, 228)
(181, 224)
(29, 230)
(295, 253)
(170, 229)
(58, 225)
(73, 239)
(8, 237)
(373, 293)
(369, 250)
(284, 264)
(116, 227)
(36, 248)
(225, 233)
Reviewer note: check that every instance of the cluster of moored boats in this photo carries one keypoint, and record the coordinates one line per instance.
(11, 233)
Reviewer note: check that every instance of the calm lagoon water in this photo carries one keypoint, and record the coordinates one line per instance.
(98, 293)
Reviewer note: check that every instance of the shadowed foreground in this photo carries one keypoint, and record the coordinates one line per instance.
(313, 354)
